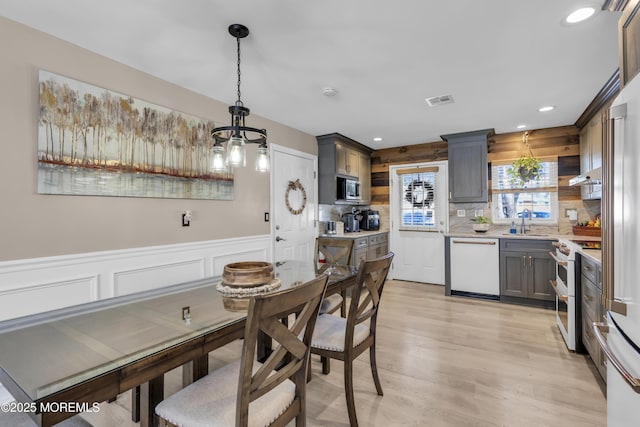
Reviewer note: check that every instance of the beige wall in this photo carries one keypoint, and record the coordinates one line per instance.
(33, 225)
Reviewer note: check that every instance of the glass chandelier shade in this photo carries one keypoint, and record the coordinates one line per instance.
(236, 152)
(235, 137)
(263, 163)
(218, 160)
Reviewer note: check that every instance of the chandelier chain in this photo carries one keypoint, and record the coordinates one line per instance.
(239, 102)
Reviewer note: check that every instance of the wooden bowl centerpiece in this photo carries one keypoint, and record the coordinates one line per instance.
(240, 280)
(247, 274)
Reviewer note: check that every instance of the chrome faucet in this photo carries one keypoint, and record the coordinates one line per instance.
(525, 214)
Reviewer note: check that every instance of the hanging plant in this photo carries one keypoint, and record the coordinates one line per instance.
(526, 168)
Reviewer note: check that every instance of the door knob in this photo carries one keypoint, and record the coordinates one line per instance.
(278, 238)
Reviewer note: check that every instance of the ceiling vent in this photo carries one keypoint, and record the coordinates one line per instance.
(439, 100)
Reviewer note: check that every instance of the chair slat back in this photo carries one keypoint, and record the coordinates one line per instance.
(290, 357)
(365, 297)
(335, 252)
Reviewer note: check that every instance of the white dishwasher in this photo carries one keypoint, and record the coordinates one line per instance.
(474, 264)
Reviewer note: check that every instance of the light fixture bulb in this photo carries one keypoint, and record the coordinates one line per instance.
(217, 162)
(580, 15)
(545, 109)
(236, 155)
(262, 159)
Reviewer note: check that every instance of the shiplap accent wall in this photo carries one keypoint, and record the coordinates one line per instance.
(563, 141)
(40, 284)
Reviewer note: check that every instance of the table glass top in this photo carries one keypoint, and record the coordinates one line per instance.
(52, 351)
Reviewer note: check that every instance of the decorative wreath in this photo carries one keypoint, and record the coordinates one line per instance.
(420, 194)
(295, 186)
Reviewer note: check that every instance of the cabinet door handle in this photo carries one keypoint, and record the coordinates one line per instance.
(473, 243)
(530, 262)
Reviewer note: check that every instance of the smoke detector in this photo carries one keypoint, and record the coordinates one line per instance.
(439, 100)
(329, 91)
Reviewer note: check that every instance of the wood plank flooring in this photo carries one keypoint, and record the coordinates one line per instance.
(445, 361)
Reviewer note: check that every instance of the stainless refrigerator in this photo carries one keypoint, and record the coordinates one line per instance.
(619, 333)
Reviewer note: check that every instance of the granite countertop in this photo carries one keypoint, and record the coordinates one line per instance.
(501, 235)
(594, 254)
(354, 235)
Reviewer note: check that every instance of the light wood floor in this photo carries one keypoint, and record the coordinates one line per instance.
(445, 361)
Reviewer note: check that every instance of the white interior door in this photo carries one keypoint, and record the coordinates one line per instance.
(419, 218)
(294, 204)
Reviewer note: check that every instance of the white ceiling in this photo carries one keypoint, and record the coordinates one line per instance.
(500, 59)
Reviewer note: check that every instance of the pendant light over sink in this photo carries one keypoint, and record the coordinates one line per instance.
(236, 136)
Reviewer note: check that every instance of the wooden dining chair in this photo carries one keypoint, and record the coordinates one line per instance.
(334, 252)
(346, 338)
(249, 393)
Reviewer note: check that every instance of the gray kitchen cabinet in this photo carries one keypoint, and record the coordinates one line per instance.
(468, 168)
(364, 175)
(347, 160)
(344, 157)
(525, 271)
(592, 310)
(591, 138)
(378, 246)
(360, 250)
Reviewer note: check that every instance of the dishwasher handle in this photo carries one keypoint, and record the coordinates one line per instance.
(468, 242)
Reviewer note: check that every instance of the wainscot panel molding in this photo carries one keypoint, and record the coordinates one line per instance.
(31, 286)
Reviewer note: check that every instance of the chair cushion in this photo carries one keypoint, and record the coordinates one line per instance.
(329, 333)
(21, 419)
(211, 401)
(330, 303)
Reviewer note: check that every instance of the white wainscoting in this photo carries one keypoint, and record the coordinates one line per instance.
(35, 285)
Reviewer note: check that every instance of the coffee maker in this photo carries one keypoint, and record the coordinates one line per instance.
(351, 222)
(370, 220)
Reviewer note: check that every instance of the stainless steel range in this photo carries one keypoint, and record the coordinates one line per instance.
(567, 294)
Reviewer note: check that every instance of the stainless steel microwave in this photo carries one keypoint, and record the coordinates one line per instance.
(347, 189)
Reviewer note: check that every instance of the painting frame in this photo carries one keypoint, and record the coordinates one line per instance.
(94, 141)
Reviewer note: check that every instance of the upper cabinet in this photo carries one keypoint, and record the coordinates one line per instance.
(344, 157)
(468, 170)
(628, 38)
(347, 160)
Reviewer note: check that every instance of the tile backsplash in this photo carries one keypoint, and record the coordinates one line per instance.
(335, 212)
(587, 209)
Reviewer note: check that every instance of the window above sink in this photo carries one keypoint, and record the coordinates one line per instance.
(539, 196)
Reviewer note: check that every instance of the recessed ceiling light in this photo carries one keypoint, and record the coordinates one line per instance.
(329, 91)
(580, 15)
(377, 139)
(545, 109)
(521, 126)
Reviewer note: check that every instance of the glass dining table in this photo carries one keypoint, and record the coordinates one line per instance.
(62, 362)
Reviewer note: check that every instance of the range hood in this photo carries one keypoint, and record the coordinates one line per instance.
(592, 177)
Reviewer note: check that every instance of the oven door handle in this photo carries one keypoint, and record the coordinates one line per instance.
(561, 297)
(558, 261)
(600, 329)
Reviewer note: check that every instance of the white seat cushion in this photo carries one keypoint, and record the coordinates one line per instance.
(329, 333)
(330, 303)
(211, 401)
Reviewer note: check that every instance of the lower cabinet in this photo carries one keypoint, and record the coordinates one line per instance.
(526, 269)
(369, 247)
(592, 310)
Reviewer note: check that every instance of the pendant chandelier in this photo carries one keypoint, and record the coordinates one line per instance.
(235, 136)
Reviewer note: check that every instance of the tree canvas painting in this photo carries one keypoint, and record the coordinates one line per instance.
(92, 141)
